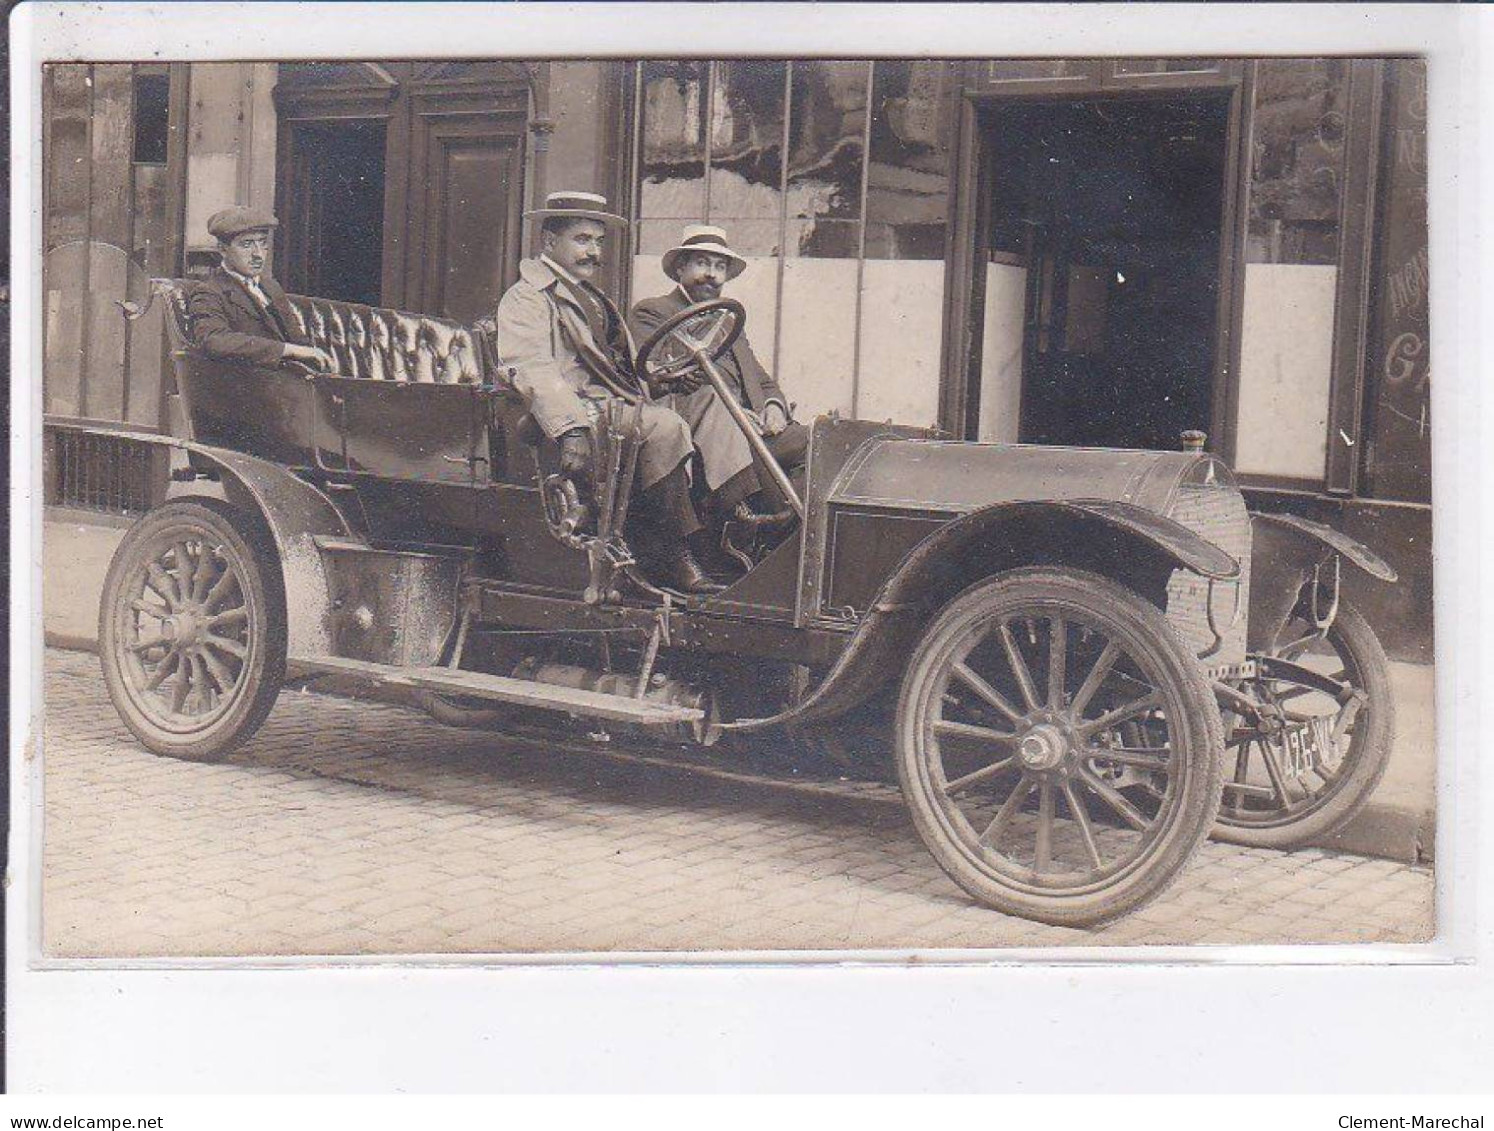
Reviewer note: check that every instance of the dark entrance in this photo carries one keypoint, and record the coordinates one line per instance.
(1115, 208)
(334, 210)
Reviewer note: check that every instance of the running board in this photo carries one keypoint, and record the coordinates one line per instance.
(505, 689)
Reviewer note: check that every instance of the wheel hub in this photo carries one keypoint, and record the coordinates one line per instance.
(1043, 747)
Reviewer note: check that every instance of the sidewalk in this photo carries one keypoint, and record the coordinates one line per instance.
(1398, 824)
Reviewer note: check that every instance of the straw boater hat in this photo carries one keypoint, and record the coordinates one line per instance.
(703, 237)
(581, 205)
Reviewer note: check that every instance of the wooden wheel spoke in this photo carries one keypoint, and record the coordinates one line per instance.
(140, 605)
(162, 584)
(1019, 667)
(973, 731)
(218, 670)
(163, 670)
(1120, 714)
(183, 570)
(1097, 676)
(1058, 646)
(181, 687)
(147, 645)
(1086, 830)
(234, 616)
(1116, 800)
(1007, 811)
(976, 776)
(223, 644)
(1278, 778)
(203, 573)
(988, 694)
(227, 581)
(1043, 851)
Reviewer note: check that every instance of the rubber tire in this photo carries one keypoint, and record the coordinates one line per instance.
(264, 669)
(1201, 731)
(1369, 752)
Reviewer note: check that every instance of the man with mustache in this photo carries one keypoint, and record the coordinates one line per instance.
(239, 312)
(702, 264)
(570, 351)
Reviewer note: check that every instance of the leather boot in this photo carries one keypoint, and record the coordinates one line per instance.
(675, 568)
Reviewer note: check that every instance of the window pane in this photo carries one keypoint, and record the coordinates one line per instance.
(673, 159)
(827, 124)
(747, 140)
(907, 190)
(1297, 161)
(151, 109)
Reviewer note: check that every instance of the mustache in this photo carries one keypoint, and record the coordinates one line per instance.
(590, 261)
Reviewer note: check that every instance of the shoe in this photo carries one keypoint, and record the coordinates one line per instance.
(744, 514)
(683, 574)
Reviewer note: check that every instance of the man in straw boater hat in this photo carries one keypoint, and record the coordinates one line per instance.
(702, 263)
(239, 312)
(570, 351)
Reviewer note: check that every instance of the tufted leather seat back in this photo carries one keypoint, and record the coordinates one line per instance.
(390, 345)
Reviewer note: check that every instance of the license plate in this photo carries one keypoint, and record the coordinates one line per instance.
(1306, 747)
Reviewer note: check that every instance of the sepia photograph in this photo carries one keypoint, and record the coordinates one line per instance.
(734, 504)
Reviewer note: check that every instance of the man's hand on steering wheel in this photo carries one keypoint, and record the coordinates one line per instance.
(774, 418)
(577, 460)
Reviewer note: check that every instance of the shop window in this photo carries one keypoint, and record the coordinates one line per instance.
(745, 192)
(1297, 160)
(673, 161)
(907, 181)
(827, 127)
(152, 111)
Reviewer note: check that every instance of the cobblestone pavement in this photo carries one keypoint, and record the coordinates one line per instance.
(355, 827)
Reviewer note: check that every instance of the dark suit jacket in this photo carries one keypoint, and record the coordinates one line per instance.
(228, 323)
(740, 366)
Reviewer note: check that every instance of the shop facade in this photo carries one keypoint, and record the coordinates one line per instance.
(1098, 252)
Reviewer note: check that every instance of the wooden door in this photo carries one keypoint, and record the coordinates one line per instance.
(452, 175)
(465, 190)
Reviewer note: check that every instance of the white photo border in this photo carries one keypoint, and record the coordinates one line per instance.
(78, 1025)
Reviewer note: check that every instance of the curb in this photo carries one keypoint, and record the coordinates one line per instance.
(1392, 832)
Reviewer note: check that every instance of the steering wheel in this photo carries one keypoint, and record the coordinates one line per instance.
(668, 354)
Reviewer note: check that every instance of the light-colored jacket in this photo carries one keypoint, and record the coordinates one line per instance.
(535, 319)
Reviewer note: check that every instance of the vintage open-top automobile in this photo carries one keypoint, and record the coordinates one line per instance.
(1079, 664)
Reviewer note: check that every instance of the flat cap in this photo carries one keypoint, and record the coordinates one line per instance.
(230, 222)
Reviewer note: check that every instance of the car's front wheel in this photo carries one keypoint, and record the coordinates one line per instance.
(192, 631)
(1058, 746)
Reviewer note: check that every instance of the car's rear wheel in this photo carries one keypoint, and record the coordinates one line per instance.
(1058, 746)
(1333, 690)
(192, 632)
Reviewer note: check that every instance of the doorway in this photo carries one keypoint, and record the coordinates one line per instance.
(333, 245)
(1101, 226)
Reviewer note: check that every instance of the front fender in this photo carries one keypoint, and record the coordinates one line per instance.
(1288, 549)
(1130, 544)
(293, 512)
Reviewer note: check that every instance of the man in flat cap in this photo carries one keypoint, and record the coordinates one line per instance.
(702, 263)
(570, 350)
(239, 312)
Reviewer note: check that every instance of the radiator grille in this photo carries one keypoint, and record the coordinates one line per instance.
(101, 472)
(1217, 513)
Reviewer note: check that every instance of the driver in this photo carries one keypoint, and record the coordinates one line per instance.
(702, 263)
(239, 312)
(570, 350)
